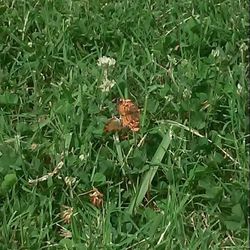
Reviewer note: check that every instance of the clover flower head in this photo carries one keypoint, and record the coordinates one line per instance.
(105, 61)
(65, 233)
(107, 85)
(69, 181)
(66, 214)
(96, 197)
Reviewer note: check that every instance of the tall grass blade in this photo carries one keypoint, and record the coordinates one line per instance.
(148, 177)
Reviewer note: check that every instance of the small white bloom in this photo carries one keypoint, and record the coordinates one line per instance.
(82, 157)
(239, 89)
(186, 93)
(215, 52)
(70, 181)
(243, 46)
(105, 61)
(172, 60)
(107, 85)
(169, 98)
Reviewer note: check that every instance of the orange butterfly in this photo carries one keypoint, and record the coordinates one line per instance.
(129, 114)
(129, 117)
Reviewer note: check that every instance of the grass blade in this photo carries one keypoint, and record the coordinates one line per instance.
(148, 177)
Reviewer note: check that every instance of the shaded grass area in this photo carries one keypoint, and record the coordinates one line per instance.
(184, 64)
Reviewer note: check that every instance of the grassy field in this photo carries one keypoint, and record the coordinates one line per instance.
(180, 182)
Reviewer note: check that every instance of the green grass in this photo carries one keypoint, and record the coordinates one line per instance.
(181, 181)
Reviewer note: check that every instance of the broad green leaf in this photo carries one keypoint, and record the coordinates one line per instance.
(8, 99)
(236, 220)
(8, 182)
(99, 178)
(67, 244)
(232, 225)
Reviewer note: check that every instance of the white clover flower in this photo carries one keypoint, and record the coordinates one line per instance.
(69, 181)
(169, 98)
(172, 60)
(239, 89)
(105, 61)
(187, 93)
(82, 157)
(243, 46)
(215, 52)
(107, 85)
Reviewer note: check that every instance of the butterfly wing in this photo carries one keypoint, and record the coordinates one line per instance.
(113, 125)
(130, 114)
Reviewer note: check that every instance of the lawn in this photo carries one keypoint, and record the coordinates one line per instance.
(73, 175)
